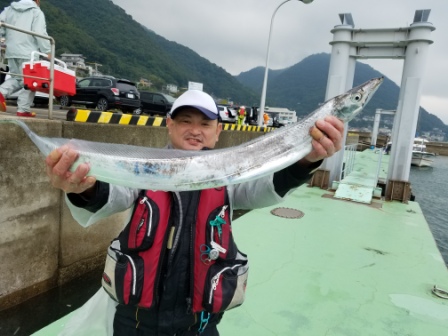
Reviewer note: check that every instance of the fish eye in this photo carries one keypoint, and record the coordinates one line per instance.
(357, 97)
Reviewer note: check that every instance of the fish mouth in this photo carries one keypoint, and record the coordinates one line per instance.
(369, 86)
(372, 87)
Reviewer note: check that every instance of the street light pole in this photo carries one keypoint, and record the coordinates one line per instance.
(266, 69)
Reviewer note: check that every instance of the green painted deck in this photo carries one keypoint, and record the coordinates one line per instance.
(344, 268)
(360, 185)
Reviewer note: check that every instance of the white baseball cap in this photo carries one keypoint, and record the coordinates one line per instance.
(198, 100)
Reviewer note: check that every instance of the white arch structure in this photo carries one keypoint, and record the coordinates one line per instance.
(408, 43)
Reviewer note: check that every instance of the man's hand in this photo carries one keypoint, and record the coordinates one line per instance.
(59, 162)
(327, 139)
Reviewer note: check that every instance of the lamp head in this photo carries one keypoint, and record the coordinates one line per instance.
(307, 1)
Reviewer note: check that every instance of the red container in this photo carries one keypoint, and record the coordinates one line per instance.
(64, 79)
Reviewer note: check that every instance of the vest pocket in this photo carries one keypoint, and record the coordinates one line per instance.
(225, 284)
(139, 234)
(123, 276)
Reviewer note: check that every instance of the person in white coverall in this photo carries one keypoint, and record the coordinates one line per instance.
(174, 259)
(24, 14)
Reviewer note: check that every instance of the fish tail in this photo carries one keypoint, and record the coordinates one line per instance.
(43, 144)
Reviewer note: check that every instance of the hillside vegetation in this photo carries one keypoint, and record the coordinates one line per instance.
(302, 87)
(104, 33)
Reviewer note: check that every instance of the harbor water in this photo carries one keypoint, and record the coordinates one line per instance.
(430, 187)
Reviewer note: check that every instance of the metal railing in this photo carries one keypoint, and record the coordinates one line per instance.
(51, 79)
(349, 160)
(380, 159)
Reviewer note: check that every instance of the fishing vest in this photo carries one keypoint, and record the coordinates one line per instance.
(134, 263)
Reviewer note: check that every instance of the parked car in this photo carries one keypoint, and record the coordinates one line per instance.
(104, 93)
(155, 103)
(227, 114)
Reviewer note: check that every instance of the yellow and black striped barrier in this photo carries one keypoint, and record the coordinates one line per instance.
(142, 120)
(247, 128)
(115, 118)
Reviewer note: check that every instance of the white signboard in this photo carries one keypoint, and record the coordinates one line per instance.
(195, 86)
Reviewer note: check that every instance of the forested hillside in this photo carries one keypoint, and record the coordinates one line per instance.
(104, 33)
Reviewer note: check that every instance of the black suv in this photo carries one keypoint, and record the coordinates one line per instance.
(155, 103)
(103, 93)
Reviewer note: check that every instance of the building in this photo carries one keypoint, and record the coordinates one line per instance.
(281, 114)
(144, 82)
(77, 63)
(73, 61)
(171, 88)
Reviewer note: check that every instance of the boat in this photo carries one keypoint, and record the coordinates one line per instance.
(420, 157)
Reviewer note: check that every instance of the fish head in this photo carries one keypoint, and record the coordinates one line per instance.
(348, 105)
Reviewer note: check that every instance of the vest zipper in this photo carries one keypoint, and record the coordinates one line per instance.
(215, 281)
(142, 201)
(134, 271)
(134, 274)
(179, 229)
(160, 269)
(192, 261)
(176, 239)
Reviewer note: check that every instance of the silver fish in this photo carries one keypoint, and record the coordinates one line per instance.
(181, 170)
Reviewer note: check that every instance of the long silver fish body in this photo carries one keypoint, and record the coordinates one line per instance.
(181, 170)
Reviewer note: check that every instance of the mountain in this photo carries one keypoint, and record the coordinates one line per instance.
(254, 78)
(302, 87)
(104, 33)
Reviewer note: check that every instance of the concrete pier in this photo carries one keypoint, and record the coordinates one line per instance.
(41, 245)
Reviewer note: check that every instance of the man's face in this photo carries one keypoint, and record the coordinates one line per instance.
(192, 130)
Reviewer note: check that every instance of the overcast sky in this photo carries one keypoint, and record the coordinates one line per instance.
(233, 34)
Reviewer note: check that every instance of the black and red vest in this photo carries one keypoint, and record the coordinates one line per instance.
(135, 261)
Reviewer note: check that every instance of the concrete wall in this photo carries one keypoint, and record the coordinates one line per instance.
(439, 148)
(41, 245)
(364, 138)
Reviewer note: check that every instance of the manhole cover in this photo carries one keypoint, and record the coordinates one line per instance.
(287, 213)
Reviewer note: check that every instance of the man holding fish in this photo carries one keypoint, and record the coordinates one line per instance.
(175, 268)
